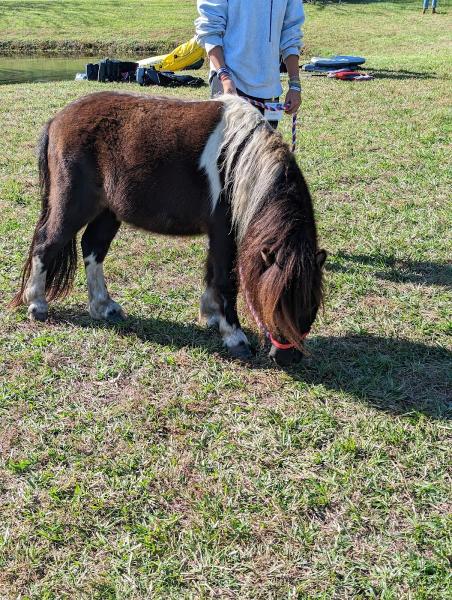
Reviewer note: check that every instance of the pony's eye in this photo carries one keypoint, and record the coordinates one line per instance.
(268, 257)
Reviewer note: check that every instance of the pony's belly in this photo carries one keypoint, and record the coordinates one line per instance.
(168, 200)
(166, 215)
(167, 225)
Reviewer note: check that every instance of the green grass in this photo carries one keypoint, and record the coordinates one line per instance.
(72, 27)
(86, 27)
(137, 461)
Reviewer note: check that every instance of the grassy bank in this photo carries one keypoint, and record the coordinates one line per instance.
(138, 27)
(82, 27)
(137, 461)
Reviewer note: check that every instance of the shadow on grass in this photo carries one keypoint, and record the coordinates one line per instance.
(394, 375)
(401, 4)
(401, 74)
(395, 269)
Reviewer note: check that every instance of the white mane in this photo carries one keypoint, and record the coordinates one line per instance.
(253, 158)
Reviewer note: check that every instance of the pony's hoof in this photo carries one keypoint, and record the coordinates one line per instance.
(115, 314)
(242, 351)
(213, 323)
(110, 311)
(37, 312)
(285, 358)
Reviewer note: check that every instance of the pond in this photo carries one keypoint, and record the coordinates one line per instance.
(42, 68)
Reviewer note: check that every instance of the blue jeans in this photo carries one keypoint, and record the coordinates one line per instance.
(434, 2)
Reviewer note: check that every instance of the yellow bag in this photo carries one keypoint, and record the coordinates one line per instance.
(182, 57)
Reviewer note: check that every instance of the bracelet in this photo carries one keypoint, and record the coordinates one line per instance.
(294, 84)
(224, 72)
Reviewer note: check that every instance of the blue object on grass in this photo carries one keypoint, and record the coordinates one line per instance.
(337, 61)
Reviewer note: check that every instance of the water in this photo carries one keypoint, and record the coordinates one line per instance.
(42, 68)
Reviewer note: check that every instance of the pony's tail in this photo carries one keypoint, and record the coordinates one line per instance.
(61, 269)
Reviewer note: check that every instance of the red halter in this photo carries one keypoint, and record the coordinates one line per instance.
(288, 346)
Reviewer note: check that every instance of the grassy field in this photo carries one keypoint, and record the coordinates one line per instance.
(141, 26)
(137, 461)
(83, 26)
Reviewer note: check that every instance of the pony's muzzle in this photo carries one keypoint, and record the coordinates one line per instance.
(285, 358)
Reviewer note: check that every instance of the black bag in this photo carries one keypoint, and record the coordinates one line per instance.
(150, 76)
(92, 71)
(116, 70)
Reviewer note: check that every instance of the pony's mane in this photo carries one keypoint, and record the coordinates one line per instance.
(253, 156)
(274, 223)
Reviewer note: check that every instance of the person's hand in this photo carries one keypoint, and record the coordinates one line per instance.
(228, 86)
(293, 101)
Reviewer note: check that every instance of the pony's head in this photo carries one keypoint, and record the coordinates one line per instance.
(279, 262)
(281, 273)
(281, 266)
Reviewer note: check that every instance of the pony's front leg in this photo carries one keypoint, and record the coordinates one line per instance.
(95, 244)
(219, 301)
(229, 326)
(219, 310)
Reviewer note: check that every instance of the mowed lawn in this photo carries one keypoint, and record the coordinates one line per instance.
(138, 461)
(83, 26)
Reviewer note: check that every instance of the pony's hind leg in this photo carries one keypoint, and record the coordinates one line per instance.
(68, 204)
(52, 262)
(219, 302)
(35, 292)
(96, 242)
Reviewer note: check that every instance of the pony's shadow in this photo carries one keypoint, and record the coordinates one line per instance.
(395, 269)
(398, 376)
(394, 375)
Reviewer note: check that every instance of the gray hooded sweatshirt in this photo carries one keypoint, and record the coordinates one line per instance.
(253, 34)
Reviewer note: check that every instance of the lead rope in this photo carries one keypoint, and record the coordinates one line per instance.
(276, 108)
(250, 306)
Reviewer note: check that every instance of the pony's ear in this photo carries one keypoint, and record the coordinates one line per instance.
(320, 258)
(268, 257)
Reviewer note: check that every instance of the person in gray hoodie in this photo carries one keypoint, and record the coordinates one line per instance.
(245, 40)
